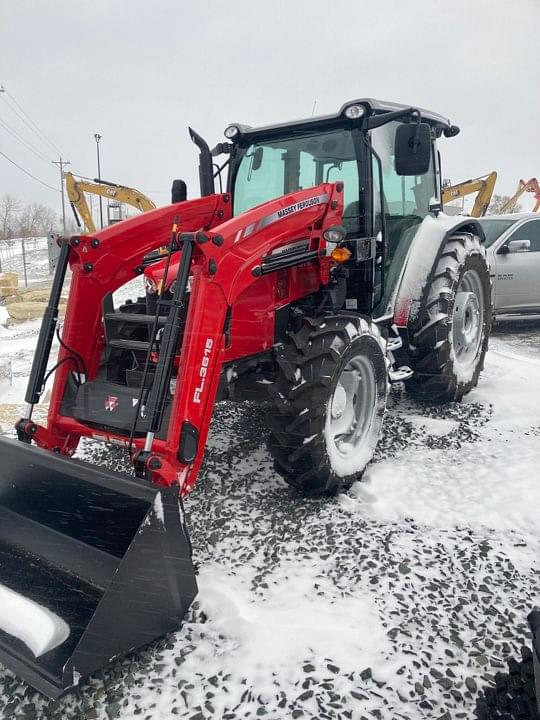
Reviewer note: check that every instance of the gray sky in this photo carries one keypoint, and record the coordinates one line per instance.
(139, 71)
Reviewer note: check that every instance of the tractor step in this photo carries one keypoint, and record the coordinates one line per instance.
(400, 374)
(124, 344)
(135, 318)
(104, 556)
(394, 343)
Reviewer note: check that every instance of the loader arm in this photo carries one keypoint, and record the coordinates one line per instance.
(225, 258)
(77, 188)
(483, 185)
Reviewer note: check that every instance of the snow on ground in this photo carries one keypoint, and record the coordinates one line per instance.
(476, 484)
(35, 258)
(399, 599)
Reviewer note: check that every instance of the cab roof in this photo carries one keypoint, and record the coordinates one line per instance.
(371, 105)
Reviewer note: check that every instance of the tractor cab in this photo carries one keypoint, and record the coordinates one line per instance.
(386, 156)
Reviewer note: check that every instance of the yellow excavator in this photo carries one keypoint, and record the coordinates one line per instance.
(483, 185)
(76, 189)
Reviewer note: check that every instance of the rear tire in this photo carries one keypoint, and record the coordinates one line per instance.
(449, 334)
(329, 401)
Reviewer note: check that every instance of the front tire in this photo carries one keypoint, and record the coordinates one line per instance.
(449, 334)
(329, 401)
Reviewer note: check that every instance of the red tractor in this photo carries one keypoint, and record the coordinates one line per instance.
(324, 271)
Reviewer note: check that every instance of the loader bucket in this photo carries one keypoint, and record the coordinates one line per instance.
(93, 564)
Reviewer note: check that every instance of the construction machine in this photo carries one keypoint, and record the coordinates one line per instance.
(524, 186)
(323, 271)
(76, 189)
(483, 186)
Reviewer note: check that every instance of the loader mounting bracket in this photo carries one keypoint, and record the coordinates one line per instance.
(25, 430)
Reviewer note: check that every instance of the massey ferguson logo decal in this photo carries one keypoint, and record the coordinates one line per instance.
(111, 403)
(298, 206)
(280, 214)
(203, 371)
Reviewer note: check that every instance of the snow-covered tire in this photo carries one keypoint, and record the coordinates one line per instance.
(449, 329)
(329, 401)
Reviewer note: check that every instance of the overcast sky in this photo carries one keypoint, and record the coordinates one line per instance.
(140, 71)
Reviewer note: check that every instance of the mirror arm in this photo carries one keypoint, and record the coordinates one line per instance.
(380, 120)
(222, 149)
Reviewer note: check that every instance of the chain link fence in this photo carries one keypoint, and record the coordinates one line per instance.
(33, 259)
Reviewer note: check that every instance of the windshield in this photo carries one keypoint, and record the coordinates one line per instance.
(271, 168)
(493, 229)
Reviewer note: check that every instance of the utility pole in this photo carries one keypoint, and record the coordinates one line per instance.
(61, 164)
(97, 139)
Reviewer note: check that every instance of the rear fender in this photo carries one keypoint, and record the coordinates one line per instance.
(426, 249)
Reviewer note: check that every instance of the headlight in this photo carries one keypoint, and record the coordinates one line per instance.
(353, 112)
(335, 234)
(231, 132)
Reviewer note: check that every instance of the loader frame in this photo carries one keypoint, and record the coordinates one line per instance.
(221, 270)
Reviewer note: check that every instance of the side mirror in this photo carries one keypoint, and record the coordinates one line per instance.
(412, 149)
(519, 246)
(178, 191)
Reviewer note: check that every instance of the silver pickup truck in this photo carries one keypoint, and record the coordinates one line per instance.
(513, 248)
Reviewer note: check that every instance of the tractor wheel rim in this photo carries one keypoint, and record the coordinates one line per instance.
(468, 319)
(352, 407)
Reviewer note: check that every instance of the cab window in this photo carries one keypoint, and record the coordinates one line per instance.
(271, 168)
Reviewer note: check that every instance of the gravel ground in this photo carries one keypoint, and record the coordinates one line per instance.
(437, 611)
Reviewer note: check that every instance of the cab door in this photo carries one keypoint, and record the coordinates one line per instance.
(517, 279)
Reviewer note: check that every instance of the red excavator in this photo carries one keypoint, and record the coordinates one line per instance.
(323, 271)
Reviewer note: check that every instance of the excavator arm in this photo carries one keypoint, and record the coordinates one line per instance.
(531, 185)
(483, 185)
(77, 188)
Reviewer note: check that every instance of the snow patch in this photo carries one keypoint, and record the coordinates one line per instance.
(158, 508)
(39, 629)
(490, 484)
(291, 622)
(433, 426)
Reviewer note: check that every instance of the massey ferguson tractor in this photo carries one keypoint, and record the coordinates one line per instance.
(321, 271)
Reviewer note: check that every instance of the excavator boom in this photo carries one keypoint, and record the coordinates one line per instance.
(120, 193)
(483, 185)
(524, 186)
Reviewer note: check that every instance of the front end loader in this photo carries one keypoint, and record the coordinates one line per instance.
(321, 272)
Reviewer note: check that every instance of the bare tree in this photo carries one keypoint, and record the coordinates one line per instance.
(35, 221)
(498, 201)
(9, 207)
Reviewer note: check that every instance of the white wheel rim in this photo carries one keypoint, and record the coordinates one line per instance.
(468, 319)
(352, 407)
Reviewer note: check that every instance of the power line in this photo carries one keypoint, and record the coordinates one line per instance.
(28, 173)
(22, 140)
(27, 120)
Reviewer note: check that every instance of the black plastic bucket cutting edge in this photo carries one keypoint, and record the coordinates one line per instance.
(108, 554)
